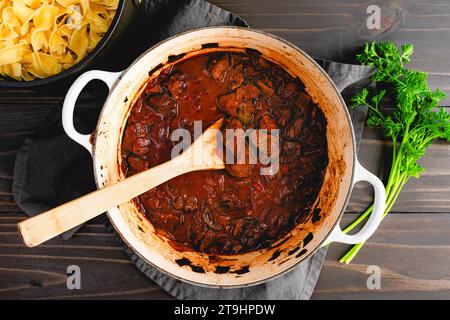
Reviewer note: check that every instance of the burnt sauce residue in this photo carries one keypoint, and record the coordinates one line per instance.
(235, 210)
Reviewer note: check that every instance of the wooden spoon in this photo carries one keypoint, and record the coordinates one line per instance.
(201, 155)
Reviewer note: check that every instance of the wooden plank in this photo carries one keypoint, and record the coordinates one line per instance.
(335, 30)
(403, 247)
(412, 251)
(427, 194)
(106, 271)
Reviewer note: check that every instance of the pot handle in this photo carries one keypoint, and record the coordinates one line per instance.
(71, 98)
(362, 174)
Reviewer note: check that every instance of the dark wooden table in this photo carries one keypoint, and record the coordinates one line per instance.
(412, 246)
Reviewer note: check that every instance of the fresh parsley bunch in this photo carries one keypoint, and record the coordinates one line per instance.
(415, 124)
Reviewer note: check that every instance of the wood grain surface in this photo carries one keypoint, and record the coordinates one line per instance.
(412, 246)
(410, 249)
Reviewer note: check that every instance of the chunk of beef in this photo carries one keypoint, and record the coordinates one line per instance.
(302, 100)
(159, 131)
(232, 124)
(261, 105)
(221, 101)
(290, 148)
(239, 170)
(219, 68)
(238, 59)
(210, 221)
(190, 204)
(283, 115)
(294, 130)
(141, 146)
(137, 164)
(288, 89)
(177, 204)
(187, 203)
(248, 91)
(163, 104)
(166, 220)
(177, 83)
(245, 112)
(266, 87)
(263, 63)
(236, 78)
(266, 122)
(251, 72)
(242, 110)
(133, 131)
(275, 101)
(265, 140)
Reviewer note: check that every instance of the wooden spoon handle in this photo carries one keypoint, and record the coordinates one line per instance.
(51, 223)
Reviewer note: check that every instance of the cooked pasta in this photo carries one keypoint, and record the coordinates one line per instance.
(40, 38)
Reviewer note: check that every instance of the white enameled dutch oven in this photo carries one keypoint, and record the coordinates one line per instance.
(342, 172)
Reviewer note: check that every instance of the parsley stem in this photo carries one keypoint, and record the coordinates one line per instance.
(392, 197)
(359, 219)
(369, 210)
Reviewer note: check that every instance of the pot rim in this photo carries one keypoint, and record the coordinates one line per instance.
(348, 192)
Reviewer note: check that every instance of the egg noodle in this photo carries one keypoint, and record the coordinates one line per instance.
(40, 38)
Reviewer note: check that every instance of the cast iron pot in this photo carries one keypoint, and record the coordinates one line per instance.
(342, 172)
(123, 19)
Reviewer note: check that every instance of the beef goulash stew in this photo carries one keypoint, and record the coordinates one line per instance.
(236, 210)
